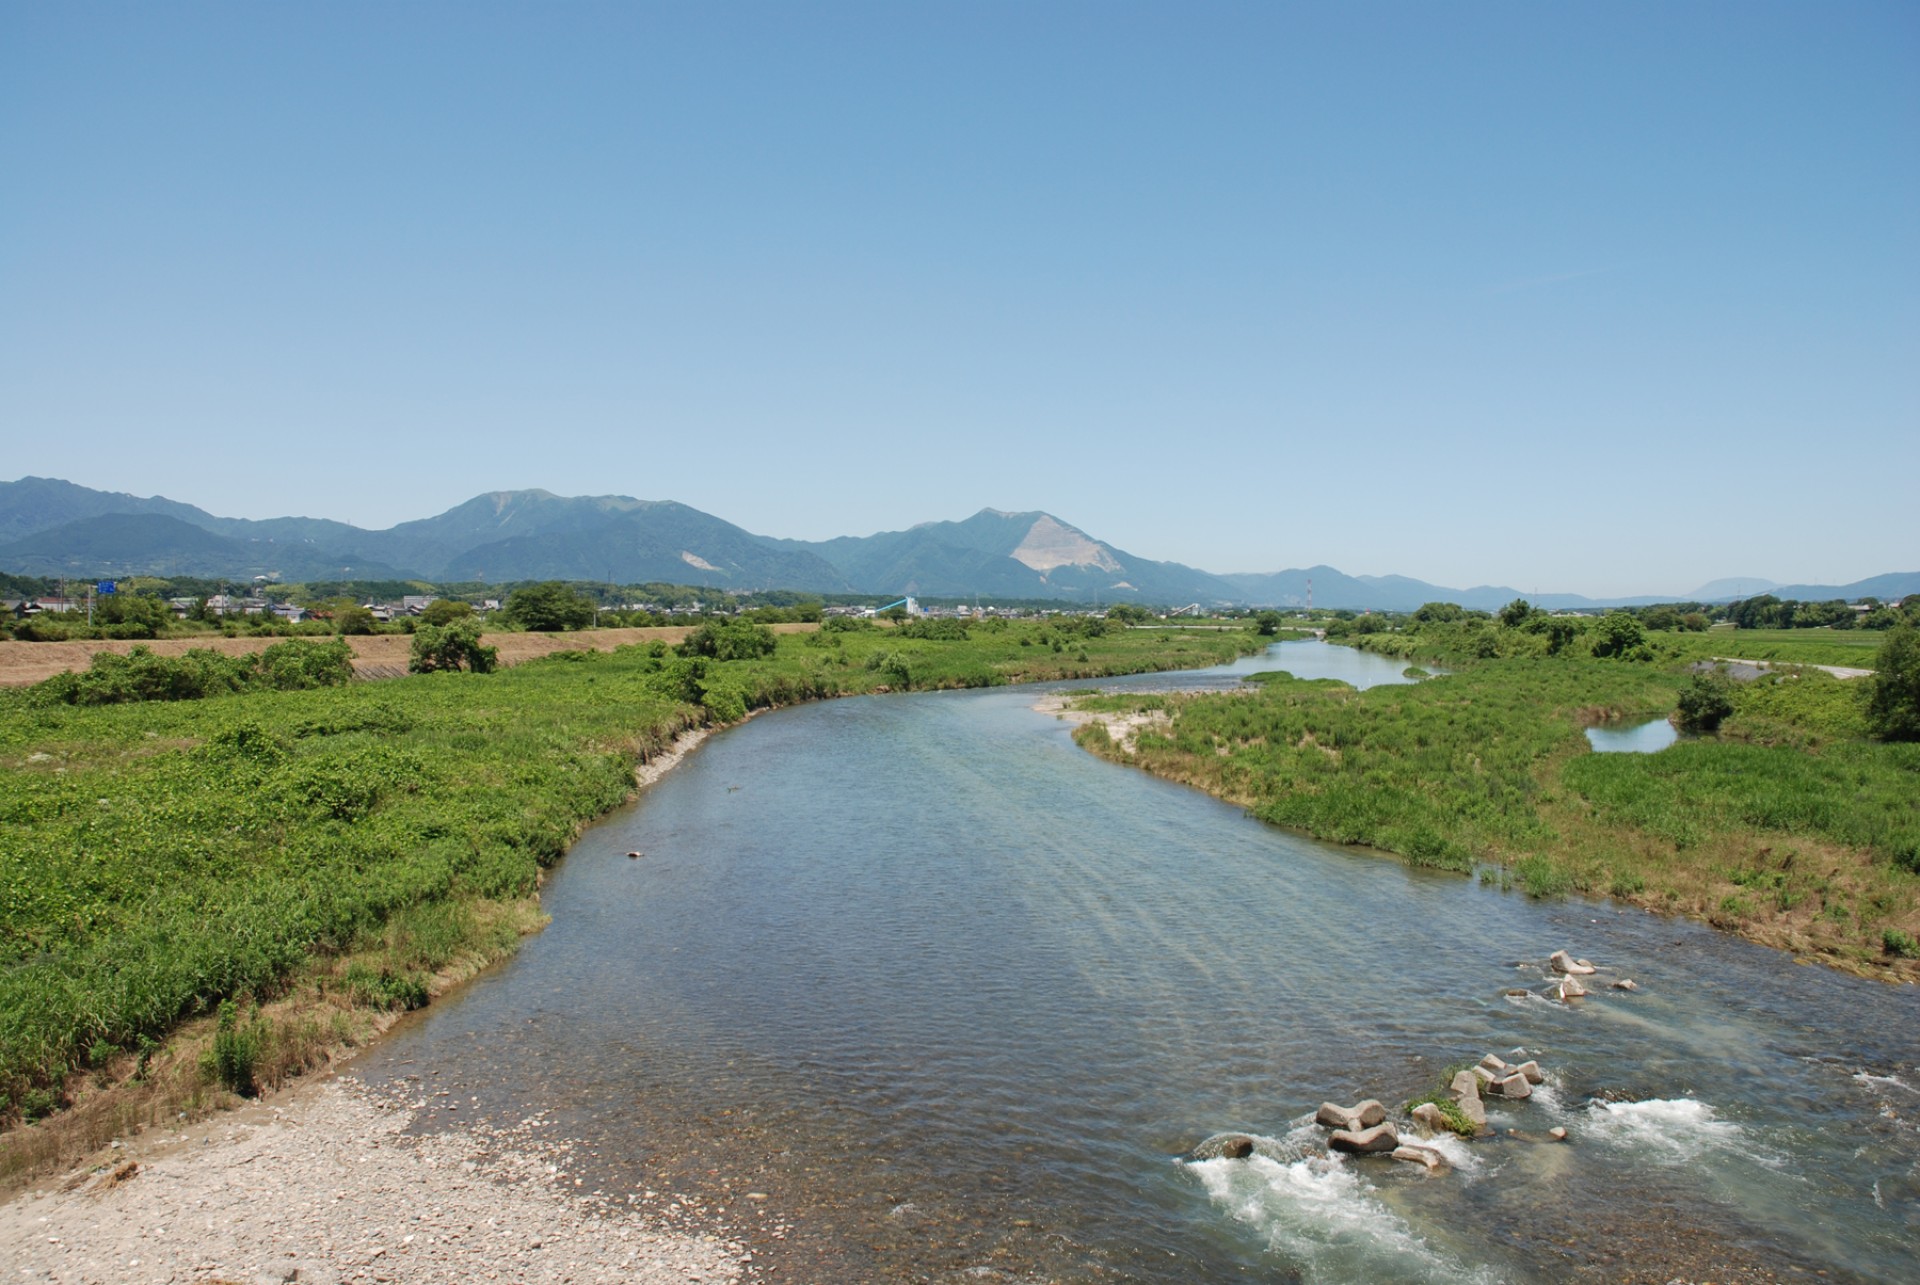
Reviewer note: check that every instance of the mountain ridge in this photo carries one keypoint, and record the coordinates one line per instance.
(49, 526)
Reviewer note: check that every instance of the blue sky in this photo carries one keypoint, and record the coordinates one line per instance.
(1597, 298)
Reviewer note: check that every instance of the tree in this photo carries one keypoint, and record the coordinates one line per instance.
(352, 619)
(550, 607)
(1706, 701)
(1893, 706)
(1266, 624)
(444, 611)
(1515, 613)
(437, 648)
(1618, 633)
(1440, 613)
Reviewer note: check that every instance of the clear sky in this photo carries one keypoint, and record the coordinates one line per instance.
(1603, 297)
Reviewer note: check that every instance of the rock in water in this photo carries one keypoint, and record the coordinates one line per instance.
(1427, 1156)
(1465, 1090)
(1557, 1133)
(1429, 1118)
(1532, 1071)
(1362, 1115)
(1514, 1086)
(1568, 988)
(1381, 1137)
(1332, 1115)
(1225, 1146)
(1493, 1062)
(1564, 963)
(1625, 984)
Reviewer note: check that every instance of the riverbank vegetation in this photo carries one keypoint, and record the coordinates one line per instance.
(323, 857)
(1795, 824)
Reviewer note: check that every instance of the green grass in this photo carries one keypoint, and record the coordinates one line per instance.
(1853, 648)
(157, 859)
(1444, 772)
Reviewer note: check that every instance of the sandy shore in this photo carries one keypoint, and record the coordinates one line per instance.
(1121, 727)
(326, 1185)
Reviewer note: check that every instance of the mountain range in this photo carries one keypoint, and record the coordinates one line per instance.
(50, 527)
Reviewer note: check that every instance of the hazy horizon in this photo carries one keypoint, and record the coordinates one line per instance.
(1577, 298)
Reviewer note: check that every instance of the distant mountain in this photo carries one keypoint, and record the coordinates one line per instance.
(1887, 588)
(1011, 555)
(35, 504)
(638, 541)
(126, 544)
(1732, 587)
(53, 527)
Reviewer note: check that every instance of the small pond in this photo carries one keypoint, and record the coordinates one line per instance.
(1642, 738)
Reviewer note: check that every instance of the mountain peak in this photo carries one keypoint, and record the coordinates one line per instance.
(1052, 543)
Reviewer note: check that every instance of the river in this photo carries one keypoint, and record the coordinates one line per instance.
(912, 988)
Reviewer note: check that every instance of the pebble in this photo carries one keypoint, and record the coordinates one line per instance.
(311, 1196)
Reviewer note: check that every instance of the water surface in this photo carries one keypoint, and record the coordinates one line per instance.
(1642, 738)
(951, 998)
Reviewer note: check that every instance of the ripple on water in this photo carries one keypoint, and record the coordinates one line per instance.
(1667, 1130)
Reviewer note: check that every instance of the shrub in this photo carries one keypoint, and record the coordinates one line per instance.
(300, 666)
(1893, 706)
(236, 1050)
(1706, 701)
(944, 629)
(730, 640)
(1541, 876)
(454, 646)
(1900, 945)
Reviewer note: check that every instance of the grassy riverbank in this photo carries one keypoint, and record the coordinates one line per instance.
(1790, 827)
(326, 857)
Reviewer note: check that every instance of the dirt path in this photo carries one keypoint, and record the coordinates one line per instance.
(326, 1185)
(374, 655)
(1838, 671)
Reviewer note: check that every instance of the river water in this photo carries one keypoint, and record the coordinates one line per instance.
(912, 988)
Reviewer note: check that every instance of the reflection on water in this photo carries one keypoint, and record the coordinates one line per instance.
(1645, 738)
(955, 997)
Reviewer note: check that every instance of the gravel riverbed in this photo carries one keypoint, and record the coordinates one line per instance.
(328, 1185)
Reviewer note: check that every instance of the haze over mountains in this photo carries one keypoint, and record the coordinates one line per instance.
(53, 527)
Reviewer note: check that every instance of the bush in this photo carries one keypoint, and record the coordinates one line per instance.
(454, 646)
(236, 1051)
(142, 676)
(299, 666)
(1706, 701)
(730, 640)
(1893, 704)
(1900, 945)
(942, 629)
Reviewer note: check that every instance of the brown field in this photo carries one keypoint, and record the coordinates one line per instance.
(374, 655)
